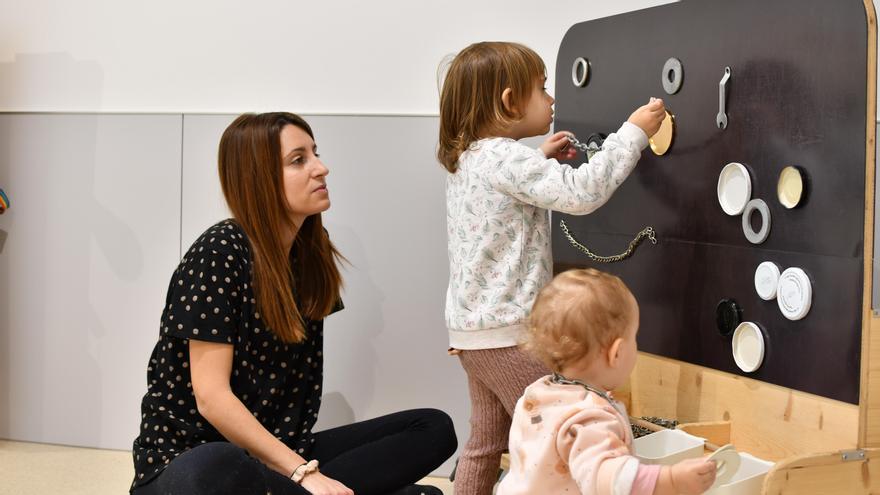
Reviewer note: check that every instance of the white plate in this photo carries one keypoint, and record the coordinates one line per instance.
(767, 280)
(794, 293)
(748, 346)
(734, 188)
(727, 461)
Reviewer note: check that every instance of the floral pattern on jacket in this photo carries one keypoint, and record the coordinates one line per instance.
(498, 227)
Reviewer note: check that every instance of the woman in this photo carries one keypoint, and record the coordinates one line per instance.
(234, 382)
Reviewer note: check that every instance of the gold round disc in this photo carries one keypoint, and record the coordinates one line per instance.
(790, 188)
(662, 141)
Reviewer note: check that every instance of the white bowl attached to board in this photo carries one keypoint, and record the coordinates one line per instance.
(734, 188)
(748, 346)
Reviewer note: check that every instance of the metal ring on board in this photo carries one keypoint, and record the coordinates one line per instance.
(580, 72)
(594, 144)
(756, 205)
(672, 75)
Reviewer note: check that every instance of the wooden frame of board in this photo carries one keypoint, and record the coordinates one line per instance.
(819, 445)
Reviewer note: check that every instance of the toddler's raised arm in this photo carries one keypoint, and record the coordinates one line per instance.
(527, 175)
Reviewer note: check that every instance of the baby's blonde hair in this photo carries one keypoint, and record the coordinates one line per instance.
(470, 100)
(577, 313)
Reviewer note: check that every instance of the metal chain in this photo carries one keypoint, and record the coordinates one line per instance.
(557, 378)
(588, 149)
(646, 232)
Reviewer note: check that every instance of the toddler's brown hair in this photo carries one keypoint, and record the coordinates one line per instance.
(470, 100)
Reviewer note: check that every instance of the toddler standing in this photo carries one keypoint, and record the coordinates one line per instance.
(498, 196)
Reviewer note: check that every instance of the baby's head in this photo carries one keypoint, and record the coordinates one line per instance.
(471, 103)
(584, 325)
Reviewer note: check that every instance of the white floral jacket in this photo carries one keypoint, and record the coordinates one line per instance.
(498, 227)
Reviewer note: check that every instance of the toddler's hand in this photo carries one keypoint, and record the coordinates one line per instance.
(558, 146)
(693, 476)
(649, 117)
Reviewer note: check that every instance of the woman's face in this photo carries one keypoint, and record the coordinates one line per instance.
(304, 176)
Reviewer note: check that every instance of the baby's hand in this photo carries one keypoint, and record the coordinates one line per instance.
(649, 117)
(693, 476)
(558, 146)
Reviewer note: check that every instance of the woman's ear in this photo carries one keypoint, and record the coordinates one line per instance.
(613, 352)
(507, 101)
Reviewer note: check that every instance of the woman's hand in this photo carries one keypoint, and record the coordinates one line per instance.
(559, 147)
(649, 117)
(318, 484)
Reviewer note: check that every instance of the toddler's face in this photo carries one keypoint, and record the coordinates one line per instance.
(538, 114)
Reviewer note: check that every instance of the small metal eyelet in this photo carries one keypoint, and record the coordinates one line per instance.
(580, 72)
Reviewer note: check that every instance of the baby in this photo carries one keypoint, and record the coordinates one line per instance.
(568, 434)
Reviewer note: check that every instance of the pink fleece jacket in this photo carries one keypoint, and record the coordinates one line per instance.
(565, 439)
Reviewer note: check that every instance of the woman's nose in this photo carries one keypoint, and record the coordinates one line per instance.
(321, 169)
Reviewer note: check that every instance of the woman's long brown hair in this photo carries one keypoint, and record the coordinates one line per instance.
(250, 166)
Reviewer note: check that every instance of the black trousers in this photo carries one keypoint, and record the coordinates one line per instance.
(380, 456)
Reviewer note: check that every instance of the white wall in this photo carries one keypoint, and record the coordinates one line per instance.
(85, 254)
(229, 56)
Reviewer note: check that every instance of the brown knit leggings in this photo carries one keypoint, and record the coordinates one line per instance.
(496, 379)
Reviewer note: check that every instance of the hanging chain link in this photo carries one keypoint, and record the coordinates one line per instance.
(646, 232)
(590, 149)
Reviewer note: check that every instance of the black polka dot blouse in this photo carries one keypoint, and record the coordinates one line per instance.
(210, 298)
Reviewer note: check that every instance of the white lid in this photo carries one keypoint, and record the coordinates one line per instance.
(766, 280)
(727, 461)
(748, 346)
(734, 188)
(794, 293)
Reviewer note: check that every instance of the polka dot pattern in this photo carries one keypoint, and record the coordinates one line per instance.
(210, 298)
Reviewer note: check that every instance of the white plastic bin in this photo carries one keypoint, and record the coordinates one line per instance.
(748, 478)
(667, 447)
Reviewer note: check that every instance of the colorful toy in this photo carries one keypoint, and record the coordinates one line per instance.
(4, 201)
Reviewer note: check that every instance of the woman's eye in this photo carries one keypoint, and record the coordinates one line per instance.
(297, 161)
